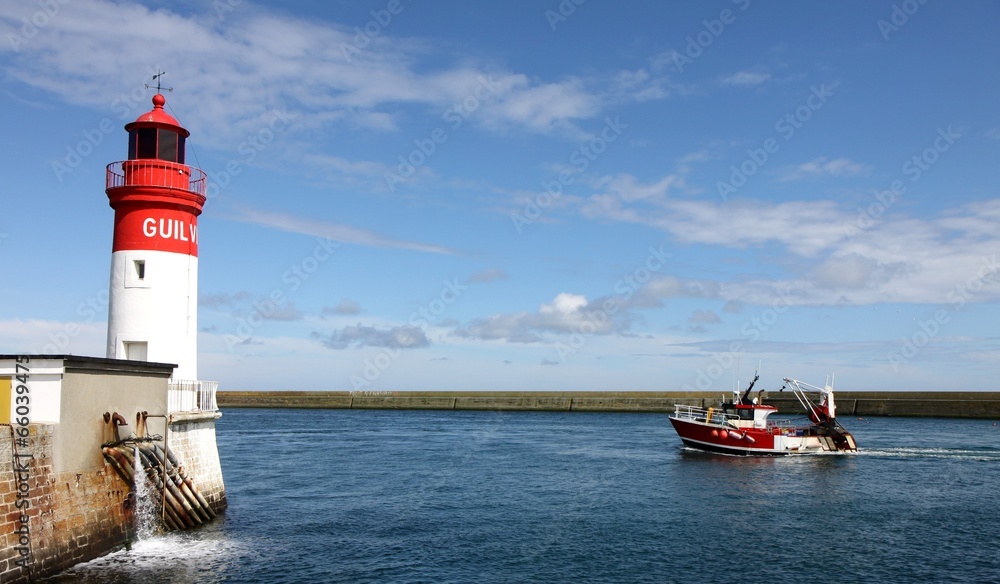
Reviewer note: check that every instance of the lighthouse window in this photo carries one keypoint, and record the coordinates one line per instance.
(145, 143)
(135, 350)
(167, 145)
(156, 143)
(135, 273)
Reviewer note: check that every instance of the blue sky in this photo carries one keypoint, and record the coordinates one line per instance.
(528, 195)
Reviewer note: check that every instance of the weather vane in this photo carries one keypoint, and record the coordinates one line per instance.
(156, 78)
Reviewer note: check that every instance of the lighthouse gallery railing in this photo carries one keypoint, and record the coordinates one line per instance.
(156, 173)
(192, 396)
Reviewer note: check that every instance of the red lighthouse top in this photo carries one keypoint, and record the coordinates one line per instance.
(158, 118)
(156, 196)
(156, 134)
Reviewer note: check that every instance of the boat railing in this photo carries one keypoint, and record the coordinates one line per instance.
(781, 424)
(703, 415)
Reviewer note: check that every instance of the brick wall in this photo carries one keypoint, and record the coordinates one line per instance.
(71, 517)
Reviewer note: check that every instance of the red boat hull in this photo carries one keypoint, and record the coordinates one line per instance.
(709, 437)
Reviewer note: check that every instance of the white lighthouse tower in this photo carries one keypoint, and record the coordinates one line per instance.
(153, 310)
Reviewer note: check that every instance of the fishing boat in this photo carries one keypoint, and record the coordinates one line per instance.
(741, 426)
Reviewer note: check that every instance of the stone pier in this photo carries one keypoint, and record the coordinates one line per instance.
(945, 404)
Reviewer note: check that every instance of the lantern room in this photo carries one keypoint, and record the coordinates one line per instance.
(156, 135)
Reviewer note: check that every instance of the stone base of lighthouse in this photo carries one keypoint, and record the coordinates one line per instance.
(192, 439)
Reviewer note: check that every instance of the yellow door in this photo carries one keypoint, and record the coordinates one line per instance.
(5, 400)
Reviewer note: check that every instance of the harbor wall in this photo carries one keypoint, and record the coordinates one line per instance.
(946, 404)
(61, 503)
(51, 520)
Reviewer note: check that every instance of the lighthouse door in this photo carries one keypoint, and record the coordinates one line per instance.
(135, 350)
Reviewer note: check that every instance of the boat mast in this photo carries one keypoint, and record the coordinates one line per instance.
(799, 390)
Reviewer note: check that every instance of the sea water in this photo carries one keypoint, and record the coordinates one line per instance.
(424, 496)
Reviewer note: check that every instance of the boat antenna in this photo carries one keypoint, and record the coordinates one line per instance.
(736, 375)
(746, 394)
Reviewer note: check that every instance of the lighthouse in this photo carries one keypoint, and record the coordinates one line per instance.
(153, 303)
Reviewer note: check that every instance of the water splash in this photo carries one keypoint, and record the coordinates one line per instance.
(145, 507)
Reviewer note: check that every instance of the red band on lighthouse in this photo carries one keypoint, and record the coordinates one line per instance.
(156, 229)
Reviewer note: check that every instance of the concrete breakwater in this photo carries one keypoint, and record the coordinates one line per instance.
(945, 404)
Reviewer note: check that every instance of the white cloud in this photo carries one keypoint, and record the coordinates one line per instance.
(804, 227)
(639, 85)
(627, 188)
(838, 259)
(822, 166)
(686, 163)
(401, 337)
(513, 328)
(567, 314)
(855, 271)
(232, 74)
(540, 108)
(564, 304)
(487, 276)
(704, 317)
(337, 232)
(746, 78)
(346, 306)
(52, 337)
(653, 293)
(342, 166)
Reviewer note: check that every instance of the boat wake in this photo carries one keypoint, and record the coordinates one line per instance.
(983, 455)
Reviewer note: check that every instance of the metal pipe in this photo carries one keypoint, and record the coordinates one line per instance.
(176, 481)
(118, 420)
(174, 466)
(172, 489)
(201, 499)
(113, 461)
